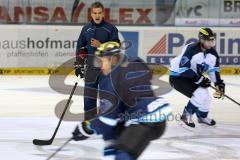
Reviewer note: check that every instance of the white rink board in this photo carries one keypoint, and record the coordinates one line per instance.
(50, 46)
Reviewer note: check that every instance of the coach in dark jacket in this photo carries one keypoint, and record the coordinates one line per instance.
(94, 33)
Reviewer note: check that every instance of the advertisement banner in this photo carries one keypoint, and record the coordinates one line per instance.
(134, 12)
(50, 46)
(207, 13)
(230, 9)
(46, 46)
(163, 44)
(124, 12)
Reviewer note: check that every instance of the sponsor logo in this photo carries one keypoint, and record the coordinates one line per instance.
(80, 13)
(171, 44)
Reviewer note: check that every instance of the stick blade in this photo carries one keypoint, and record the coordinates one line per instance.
(39, 142)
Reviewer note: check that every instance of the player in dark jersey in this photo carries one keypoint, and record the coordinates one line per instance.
(130, 115)
(186, 76)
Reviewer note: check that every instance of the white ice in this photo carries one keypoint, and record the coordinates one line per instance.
(27, 111)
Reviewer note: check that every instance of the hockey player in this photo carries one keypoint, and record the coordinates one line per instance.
(136, 118)
(186, 76)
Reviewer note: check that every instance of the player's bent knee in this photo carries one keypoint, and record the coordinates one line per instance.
(137, 137)
(200, 97)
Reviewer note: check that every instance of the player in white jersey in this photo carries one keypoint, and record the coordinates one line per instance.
(186, 76)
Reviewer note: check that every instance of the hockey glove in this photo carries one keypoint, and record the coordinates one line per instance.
(79, 65)
(79, 69)
(204, 82)
(82, 131)
(220, 90)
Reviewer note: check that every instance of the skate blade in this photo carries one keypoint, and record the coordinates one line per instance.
(203, 125)
(186, 127)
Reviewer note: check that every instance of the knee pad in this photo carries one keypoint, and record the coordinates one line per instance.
(143, 134)
(201, 99)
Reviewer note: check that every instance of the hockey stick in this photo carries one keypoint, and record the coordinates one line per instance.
(227, 96)
(75, 5)
(59, 149)
(231, 99)
(48, 142)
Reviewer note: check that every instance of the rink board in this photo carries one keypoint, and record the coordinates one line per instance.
(48, 71)
(38, 50)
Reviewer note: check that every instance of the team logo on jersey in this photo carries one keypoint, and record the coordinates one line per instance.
(202, 68)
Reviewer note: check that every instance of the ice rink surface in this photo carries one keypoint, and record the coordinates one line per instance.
(27, 112)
